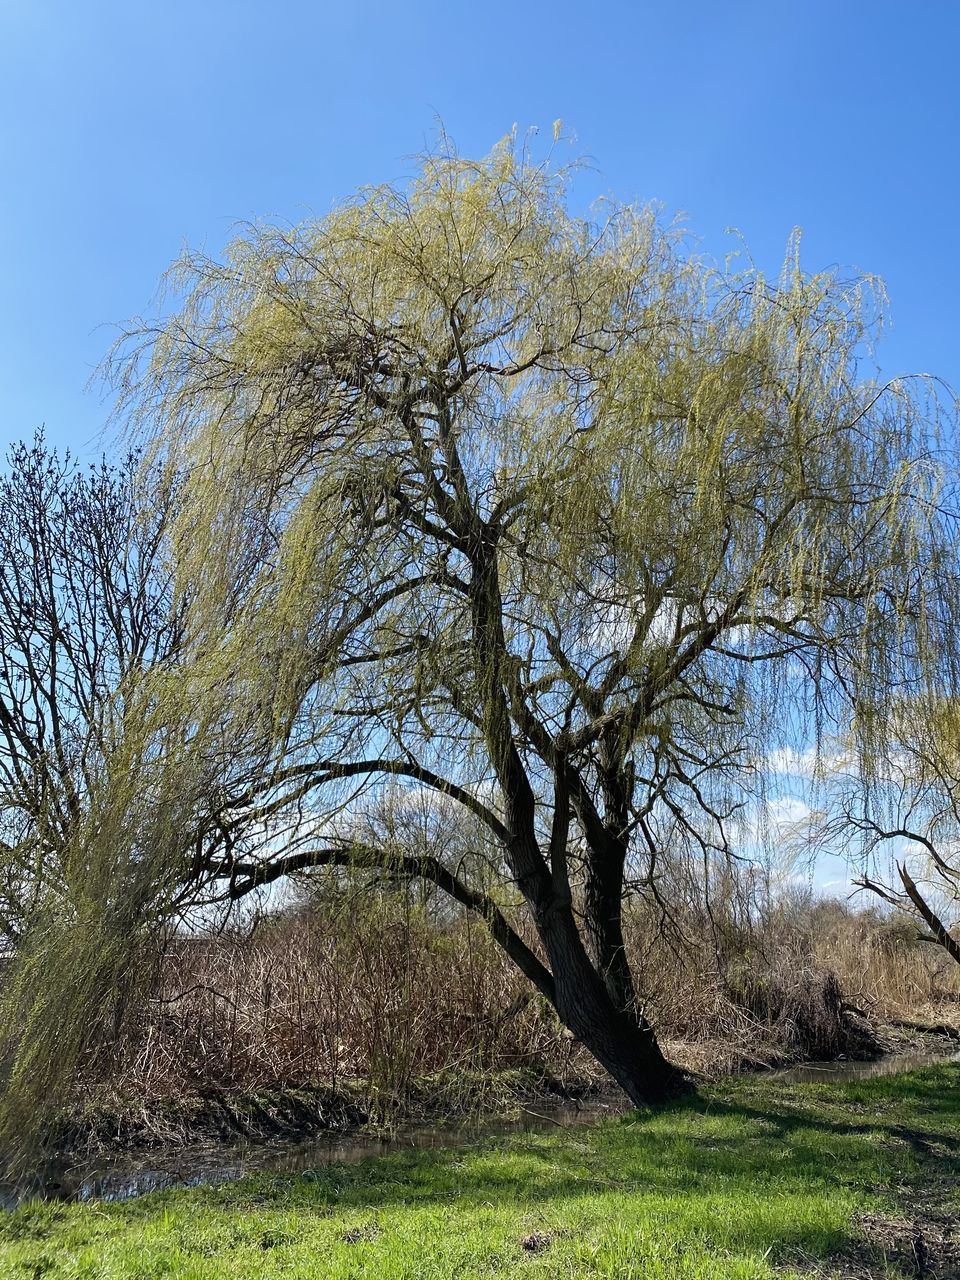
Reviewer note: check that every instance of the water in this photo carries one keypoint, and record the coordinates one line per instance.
(135, 1174)
(836, 1072)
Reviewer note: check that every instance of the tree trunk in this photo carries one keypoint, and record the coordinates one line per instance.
(604, 1019)
(603, 921)
(622, 1042)
(606, 859)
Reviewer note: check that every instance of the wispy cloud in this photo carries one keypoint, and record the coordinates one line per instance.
(809, 763)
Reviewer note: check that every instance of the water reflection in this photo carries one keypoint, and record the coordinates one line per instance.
(136, 1174)
(836, 1072)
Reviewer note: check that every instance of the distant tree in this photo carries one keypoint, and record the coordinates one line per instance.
(913, 809)
(83, 609)
(547, 517)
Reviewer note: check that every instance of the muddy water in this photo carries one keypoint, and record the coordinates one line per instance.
(135, 1174)
(131, 1175)
(836, 1072)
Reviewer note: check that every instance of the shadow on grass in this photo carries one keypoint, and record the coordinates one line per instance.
(747, 1165)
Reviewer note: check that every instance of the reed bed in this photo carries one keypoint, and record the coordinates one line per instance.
(412, 1007)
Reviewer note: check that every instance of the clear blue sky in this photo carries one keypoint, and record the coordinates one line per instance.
(128, 129)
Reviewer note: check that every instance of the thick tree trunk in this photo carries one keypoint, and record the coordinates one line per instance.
(603, 920)
(603, 888)
(623, 1043)
(589, 1001)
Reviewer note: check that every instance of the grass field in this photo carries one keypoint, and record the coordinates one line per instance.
(750, 1179)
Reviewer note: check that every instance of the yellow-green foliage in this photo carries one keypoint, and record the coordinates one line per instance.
(709, 530)
(84, 955)
(663, 442)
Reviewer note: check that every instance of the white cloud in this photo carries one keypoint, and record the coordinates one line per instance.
(809, 763)
(788, 811)
(792, 763)
(779, 827)
(837, 888)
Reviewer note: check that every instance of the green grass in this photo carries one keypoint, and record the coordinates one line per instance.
(751, 1179)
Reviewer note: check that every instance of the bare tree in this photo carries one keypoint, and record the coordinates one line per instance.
(83, 610)
(903, 831)
(942, 881)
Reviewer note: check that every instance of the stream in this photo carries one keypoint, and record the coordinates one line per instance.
(892, 1064)
(135, 1173)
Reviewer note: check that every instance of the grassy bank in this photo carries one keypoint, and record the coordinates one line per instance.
(751, 1179)
(97, 1128)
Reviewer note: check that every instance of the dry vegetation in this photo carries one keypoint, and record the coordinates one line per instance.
(413, 1008)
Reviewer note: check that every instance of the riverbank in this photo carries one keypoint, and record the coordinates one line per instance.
(751, 1179)
(115, 1124)
(118, 1125)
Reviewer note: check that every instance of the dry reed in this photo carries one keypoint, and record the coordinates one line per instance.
(410, 1007)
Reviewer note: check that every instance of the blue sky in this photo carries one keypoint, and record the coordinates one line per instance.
(129, 129)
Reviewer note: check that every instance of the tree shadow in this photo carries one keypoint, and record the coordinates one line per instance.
(729, 1166)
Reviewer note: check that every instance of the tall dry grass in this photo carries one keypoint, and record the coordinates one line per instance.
(760, 978)
(387, 997)
(393, 996)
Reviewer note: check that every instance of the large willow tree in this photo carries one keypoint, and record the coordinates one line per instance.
(546, 517)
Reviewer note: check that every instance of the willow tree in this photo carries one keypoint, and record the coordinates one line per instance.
(549, 518)
(903, 834)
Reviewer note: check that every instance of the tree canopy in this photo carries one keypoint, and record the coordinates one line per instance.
(546, 516)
